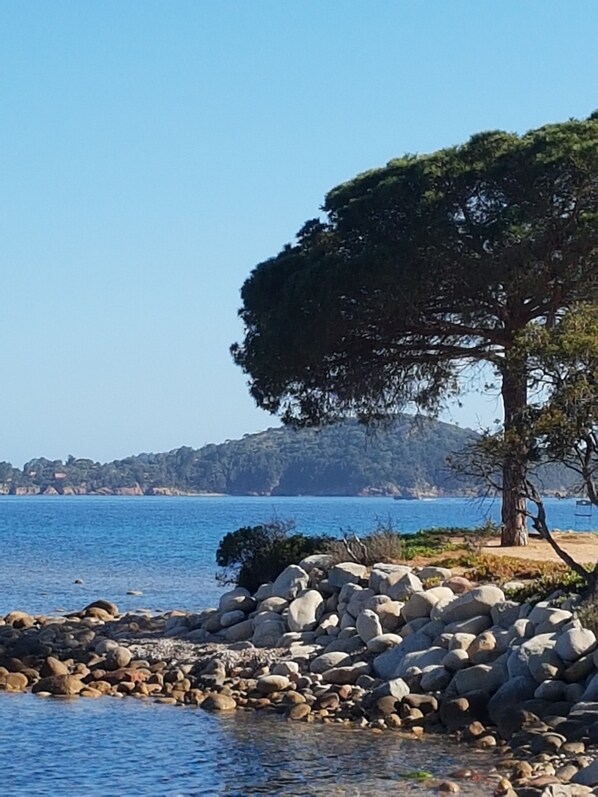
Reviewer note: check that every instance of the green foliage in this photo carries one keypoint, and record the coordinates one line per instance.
(421, 267)
(588, 613)
(547, 584)
(406, 454)
(254, 555)
(416, 774)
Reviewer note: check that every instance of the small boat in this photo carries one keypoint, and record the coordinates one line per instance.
(406, 497)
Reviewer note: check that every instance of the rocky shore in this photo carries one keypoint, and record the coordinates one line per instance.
(388, 648)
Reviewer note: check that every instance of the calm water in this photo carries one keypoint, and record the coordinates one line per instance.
(165, 547)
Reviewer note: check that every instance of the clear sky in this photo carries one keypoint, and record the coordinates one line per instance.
(153, 152)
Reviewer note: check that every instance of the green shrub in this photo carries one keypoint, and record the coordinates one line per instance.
(253, 555)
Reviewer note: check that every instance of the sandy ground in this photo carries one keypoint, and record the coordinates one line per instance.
(582, 546)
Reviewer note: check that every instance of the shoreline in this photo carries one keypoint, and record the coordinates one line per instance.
(392, 649)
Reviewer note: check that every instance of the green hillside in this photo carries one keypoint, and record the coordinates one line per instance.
(346, 459)
(404, 457)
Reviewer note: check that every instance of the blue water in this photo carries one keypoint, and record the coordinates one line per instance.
(166, 547)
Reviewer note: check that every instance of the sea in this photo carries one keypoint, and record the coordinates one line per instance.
(60, 553)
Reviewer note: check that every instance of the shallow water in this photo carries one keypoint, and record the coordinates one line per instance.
(165, 547)
(133, 748)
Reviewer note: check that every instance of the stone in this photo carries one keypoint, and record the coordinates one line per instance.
(478, 601)
(390, 615)
(399, 587)
(290, 582)
(518, 660)
(59, 685)
(543, 612)
(368, 625)
(53, 666)
(575, 643)
(449, 787)
(118, 657)
(483, 648)
(107, 606)
(322, 561)
(455, 660)
(474, 625)
(420, 659)
(359, 600)
(347, 591)
(346, 675)
(267, 634)
(268, 684)
(329, 660)
(232, 618)
(381, 571)
(287, 668)
(387, 664)
(505, 614)
(396, 688)
(15, 682)
(430, 572)
(263, 591)
(588, 776)
(419, 605)
(235, 599)
(329, 700)
(551, 690)
(580, 669)
(511, 694)
(273, 604)
(305, 611)
(299, 711)
(522, 629)
(386, 705)
(435, 678)
(241, 632)
(329, 624)
(346, 573)
(480, 677)
(460, 641)
(104, 645)
(590, 693)
(382, 642)
(19, 619)
(218, 701)
(545, 664)
(352, 644)
(456, 713)
(414, 625)
(574, 693)
(458, 584)
(548, 618)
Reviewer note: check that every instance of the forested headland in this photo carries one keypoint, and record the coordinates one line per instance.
(403, 457)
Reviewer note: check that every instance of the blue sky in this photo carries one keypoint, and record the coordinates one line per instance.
(152, 153)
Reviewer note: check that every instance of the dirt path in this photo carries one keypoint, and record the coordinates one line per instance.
(582, 546)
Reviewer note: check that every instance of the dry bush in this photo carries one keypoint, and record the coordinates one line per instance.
(588, 613)
(382, 545)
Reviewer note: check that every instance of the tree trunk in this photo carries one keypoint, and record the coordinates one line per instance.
(514, 396)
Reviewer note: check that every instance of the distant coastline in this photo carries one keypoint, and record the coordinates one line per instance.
(404, 458)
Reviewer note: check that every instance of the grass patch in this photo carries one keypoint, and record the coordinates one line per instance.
(385, 544)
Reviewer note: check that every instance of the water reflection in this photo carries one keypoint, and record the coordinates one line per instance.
(133, 748)
(282, 758)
